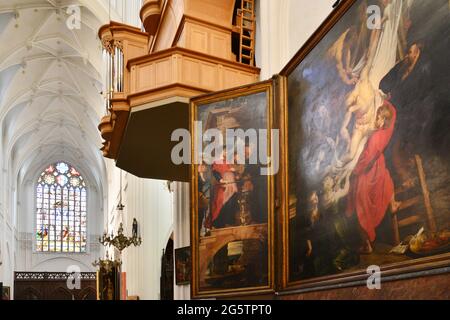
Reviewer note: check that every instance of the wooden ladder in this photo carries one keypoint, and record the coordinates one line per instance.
(247, 32)
(425, 197)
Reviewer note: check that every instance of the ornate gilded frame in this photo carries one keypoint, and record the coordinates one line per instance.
(196, 292)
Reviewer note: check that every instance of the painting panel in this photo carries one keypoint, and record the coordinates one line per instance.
(232, 200)
(368, 148)
(183, 265)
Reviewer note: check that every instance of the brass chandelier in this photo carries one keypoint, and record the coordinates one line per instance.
(107, 265)
(120, 241)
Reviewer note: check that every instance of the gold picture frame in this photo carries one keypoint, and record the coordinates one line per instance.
(236, 238)
(288, 283)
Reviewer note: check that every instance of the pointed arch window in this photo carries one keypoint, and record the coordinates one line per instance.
(61, 204)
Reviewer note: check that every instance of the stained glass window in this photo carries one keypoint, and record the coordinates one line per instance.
(61, 197)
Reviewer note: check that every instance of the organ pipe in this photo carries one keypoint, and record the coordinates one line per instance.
(114, 71)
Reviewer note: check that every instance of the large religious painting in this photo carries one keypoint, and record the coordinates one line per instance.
(232, 192)
(368, 158)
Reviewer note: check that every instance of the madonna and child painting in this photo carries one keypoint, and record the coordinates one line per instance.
(232, 219)
(369, 142)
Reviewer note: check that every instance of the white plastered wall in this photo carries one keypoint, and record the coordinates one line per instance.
(283, 26)
(151, 203)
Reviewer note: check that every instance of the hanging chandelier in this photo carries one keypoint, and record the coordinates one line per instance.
(120, 241)
(107, 265)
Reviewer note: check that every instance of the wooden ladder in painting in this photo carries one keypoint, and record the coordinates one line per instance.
(247, 32)
(397, 222)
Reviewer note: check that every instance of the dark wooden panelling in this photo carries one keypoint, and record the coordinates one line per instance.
(52, 286)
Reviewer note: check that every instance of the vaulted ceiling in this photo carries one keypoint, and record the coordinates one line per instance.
(50, 83)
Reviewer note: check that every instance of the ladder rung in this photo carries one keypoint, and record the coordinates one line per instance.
(404, 189)
(410, 202)
(408, 221)
(247, 29)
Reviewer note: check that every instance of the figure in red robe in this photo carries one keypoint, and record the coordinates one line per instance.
(372, 189)
(224, 191)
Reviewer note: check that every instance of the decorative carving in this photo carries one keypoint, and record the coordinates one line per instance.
(53, 285)
(118, 44)
(110, 44)
(107, 43)
(19, 276)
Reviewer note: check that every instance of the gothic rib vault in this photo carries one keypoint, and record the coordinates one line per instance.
(50, 84)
